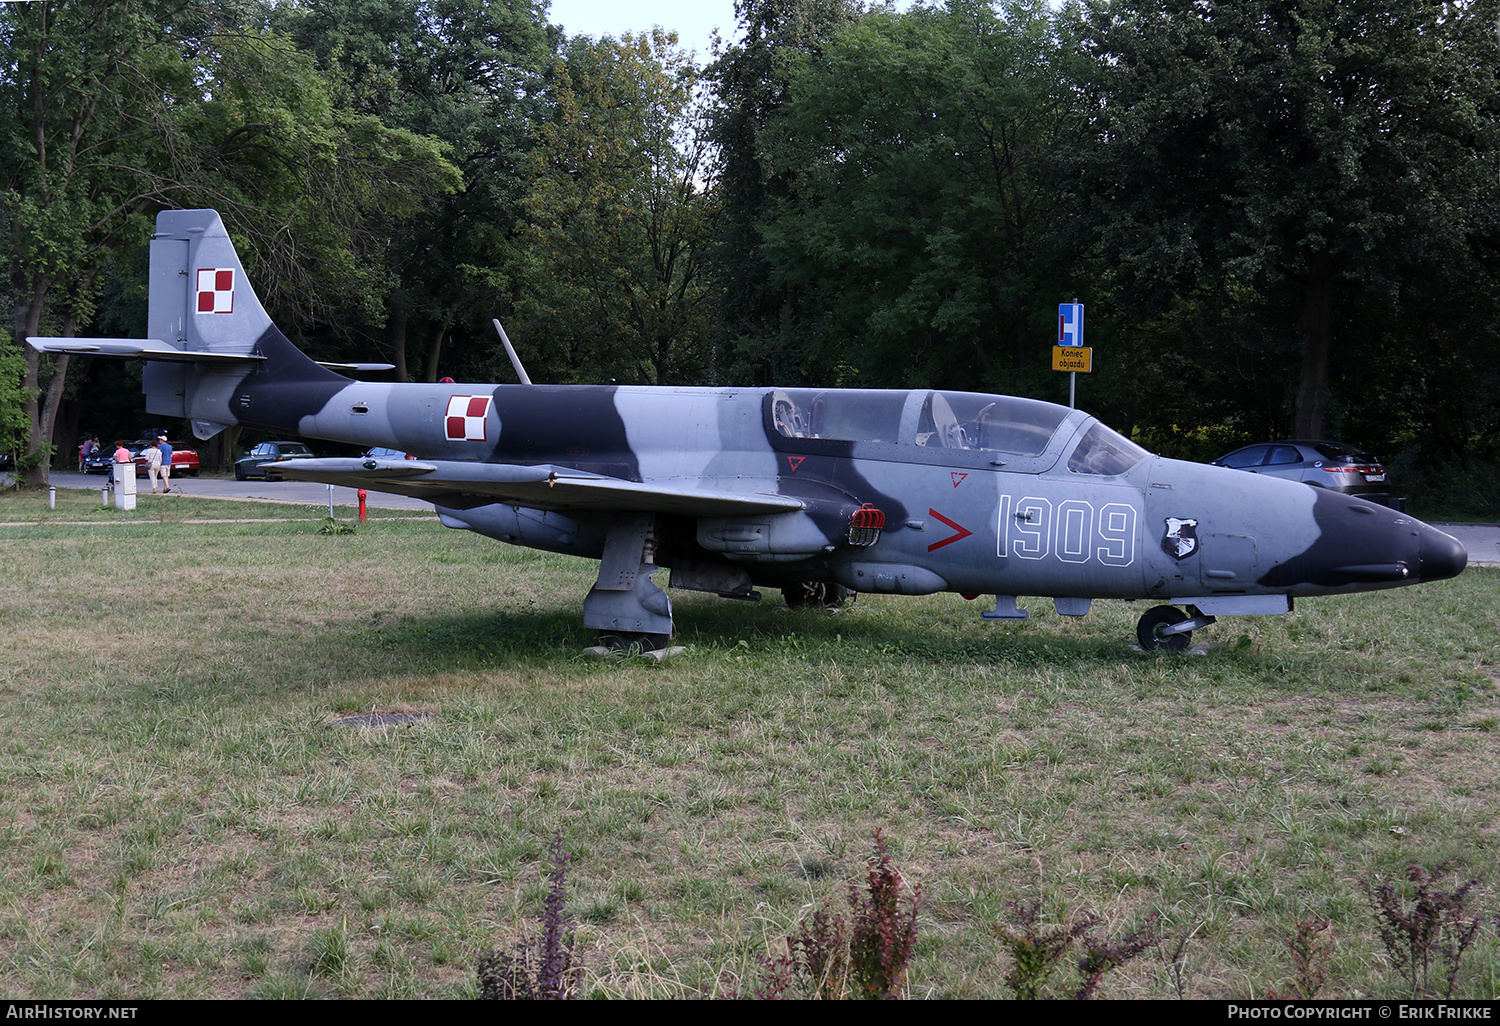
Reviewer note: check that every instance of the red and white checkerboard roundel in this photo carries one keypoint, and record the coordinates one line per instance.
(466, 416)
(215, 290)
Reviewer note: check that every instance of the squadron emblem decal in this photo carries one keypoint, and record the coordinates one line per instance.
(1181, 539)
(215, 288)
(466, 417)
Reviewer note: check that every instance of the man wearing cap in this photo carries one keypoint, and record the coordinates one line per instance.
(166, 463)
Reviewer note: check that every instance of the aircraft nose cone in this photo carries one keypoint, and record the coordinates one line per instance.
(1361, 546)
(1441, 556)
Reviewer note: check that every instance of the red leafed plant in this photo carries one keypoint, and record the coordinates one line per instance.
(883, 938)
(866, 959)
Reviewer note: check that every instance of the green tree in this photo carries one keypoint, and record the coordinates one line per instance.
(1293, 174)
(13, 422)
(71, 74)
(750, 81)
(468, 73)
(618, 216)
(920, 152)
(111, 111)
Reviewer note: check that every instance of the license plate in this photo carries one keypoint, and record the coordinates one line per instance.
(1374, 478)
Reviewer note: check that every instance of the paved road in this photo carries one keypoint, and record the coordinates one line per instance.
(300, 492)
(1482, 541)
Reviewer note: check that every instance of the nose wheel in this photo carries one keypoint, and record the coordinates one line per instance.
(1169, 629)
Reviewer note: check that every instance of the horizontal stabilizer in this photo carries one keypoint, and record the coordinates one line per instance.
(125, 348)
(355, 368)
(463, 485)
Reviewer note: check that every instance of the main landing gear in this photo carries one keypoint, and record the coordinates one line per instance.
(627, 641)
(1167, 628)
(627, 610)
(817, 595)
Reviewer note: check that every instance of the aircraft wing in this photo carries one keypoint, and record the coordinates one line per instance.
(145, 348)
(463, 485)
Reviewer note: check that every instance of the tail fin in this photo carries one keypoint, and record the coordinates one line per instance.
(203, 305)
(213, 356)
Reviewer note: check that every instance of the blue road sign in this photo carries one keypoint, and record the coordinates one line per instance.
(1070, 324)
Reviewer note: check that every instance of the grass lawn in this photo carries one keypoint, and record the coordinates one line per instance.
(183, 812)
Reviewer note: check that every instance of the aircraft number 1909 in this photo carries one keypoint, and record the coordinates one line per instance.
(1073, 530)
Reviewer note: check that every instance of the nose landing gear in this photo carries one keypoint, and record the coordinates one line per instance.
(1167, 628)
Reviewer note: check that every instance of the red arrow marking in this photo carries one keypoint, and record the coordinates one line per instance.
(958, 478)
(963, 532)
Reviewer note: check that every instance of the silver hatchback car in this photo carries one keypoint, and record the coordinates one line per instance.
(1320, 464)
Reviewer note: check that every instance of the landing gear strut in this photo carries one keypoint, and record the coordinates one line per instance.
(624, 606)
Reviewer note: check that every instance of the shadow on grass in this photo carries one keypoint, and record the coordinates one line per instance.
(496, 638)
(480, 639)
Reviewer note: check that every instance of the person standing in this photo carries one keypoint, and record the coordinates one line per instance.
(122, 455)
(165, 448)
(152, 453)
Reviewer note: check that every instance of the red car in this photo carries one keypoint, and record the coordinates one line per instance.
(184, 461)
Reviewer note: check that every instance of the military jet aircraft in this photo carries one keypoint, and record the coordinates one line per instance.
(811, 490)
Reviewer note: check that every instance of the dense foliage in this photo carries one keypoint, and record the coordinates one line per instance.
(1282, 215)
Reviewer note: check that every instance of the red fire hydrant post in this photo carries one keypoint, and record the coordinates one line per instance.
(361, 505)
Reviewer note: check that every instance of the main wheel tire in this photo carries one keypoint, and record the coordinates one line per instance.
(817, 595)
(627, 641)
(1148, 630)
(239, 473)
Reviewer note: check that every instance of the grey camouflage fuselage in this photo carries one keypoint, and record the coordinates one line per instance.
(907, 492)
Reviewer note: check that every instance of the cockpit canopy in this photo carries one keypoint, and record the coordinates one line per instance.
(963, 421)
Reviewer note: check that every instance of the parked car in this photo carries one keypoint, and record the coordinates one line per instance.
(382, 453)
(1318, 463)
(184, 461)
(100, 460)
(253, 463)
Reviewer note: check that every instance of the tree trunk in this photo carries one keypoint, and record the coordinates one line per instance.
(434, 352)
(396, 334)
(29, 319)
(1317, 343)
(222, 446)
(59, 381)
(54, 399)
(1023, 351)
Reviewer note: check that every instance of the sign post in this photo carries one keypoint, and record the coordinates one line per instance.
(1070, 354)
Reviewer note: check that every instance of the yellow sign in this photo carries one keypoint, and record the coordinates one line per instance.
(1073, 358)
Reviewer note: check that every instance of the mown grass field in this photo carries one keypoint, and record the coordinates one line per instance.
(182, 814)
